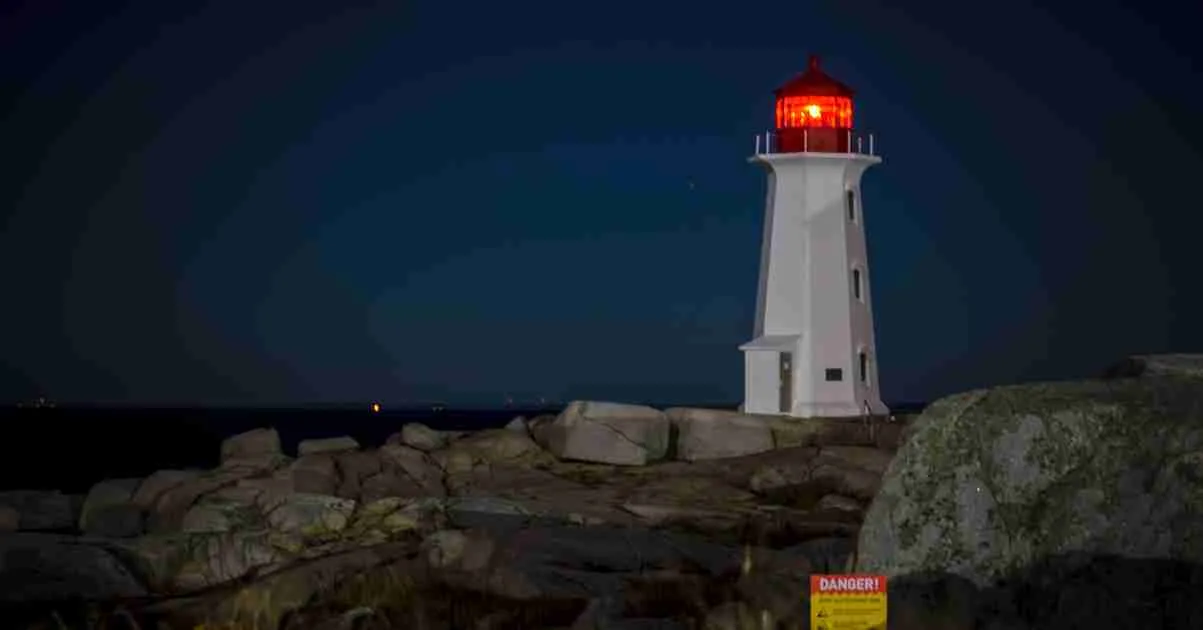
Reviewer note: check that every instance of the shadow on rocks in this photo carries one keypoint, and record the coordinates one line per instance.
(438, 607)
(1097, 592)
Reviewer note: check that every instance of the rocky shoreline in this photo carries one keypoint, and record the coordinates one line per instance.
(559, 511)
(622, 517)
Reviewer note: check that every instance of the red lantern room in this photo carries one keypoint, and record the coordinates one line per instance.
(814, 113)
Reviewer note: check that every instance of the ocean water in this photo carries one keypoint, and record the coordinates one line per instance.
(71, 448)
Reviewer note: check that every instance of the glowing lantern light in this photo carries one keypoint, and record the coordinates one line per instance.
(375, 407)
(813, 112)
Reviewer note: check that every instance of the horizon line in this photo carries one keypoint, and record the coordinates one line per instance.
(366, 407)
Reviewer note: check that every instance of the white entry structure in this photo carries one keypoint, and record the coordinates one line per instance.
(813, 353)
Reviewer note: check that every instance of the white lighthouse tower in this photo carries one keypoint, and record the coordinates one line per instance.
(813, 354)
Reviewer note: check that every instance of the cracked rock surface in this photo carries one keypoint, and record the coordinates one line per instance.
(1052, 505)
(591, 514)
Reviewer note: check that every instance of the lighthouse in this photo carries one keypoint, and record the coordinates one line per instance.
(813, 351)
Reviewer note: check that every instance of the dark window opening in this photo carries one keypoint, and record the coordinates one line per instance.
(856, 285)
(863, 360)
(835, 374)
(785, 396)
(850, 198)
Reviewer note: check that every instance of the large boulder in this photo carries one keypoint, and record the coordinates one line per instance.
(405, 472)
(608, 433)
(172, 505)
(265, 492)
(315, 473)
(386, 518)
(716, 434)
(311, 515)
(493, 446)
(254, 448)
(993, 482)
(182, 563)
(480, 455)
(354, 468)
(517, 424)
(109, 509)
(231, 508)
(421, 437)
(158, 483)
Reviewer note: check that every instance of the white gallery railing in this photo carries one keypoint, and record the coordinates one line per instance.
(857, 144)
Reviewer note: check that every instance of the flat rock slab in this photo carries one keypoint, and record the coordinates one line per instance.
(607, 548)
(42, 510)
(51, 567)
(327, 445)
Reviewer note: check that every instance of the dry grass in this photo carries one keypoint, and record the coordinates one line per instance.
(389, 599)
(393, 597)
(438, 609)
(397, 597)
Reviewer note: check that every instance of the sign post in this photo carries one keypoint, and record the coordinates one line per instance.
(847, 602)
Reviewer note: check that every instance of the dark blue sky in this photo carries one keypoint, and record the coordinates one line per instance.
(283, 202)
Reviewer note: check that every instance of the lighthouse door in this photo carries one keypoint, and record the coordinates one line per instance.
(786, 381)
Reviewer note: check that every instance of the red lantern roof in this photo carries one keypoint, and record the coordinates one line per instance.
(814, 82)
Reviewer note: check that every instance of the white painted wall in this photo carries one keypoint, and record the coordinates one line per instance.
(805, 295)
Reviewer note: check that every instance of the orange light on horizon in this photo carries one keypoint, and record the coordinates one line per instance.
(375, 407)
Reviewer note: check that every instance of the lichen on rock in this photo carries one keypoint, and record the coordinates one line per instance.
(994, 480)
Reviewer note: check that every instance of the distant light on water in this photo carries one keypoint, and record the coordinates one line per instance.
(375, 407)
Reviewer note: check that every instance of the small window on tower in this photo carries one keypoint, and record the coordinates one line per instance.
(850, 198)
(835, 374)
(863, 368)
(857, 285)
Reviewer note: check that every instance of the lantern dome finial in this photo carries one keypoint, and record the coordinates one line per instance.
(814, 62)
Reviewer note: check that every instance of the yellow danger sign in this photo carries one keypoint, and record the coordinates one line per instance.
(847, 602)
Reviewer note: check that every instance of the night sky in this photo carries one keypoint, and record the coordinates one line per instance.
(310, 201)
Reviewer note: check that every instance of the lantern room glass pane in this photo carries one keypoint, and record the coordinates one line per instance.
(814, 111)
